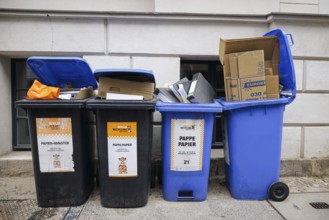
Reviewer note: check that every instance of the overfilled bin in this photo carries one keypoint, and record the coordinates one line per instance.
(124, 140)
(186, 148)
(59, 134)
(253, 135)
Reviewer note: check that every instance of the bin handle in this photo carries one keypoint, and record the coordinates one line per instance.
(291, 41)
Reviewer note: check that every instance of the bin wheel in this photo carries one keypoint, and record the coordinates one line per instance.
(278, 191)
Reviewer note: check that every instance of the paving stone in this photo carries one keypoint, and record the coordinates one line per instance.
(297, 206)
(28, 209)
(18, 201)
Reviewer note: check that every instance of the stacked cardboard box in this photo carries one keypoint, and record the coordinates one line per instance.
(250, 68)
(272, 84)
(245, 76)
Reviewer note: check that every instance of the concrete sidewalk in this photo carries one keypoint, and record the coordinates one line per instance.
(18, 201)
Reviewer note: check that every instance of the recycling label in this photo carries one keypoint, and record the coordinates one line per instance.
(122, 149)
(186, 144)
(55, 144)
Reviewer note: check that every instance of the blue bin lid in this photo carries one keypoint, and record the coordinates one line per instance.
(60, 71)
(286, 66)
(127, 74)
(188, 107)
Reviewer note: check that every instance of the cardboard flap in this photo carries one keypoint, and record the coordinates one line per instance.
(251, 63)
(268, 44)
(222, 50)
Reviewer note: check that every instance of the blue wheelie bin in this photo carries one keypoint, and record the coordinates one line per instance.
(253, 135)
(186, 147)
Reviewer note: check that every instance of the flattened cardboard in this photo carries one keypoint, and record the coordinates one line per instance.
(233, 66)
(119, 86)
(82, 93)
(233, 91)
(272, 86)
(251, 64)
(268, 71)
(247, 64)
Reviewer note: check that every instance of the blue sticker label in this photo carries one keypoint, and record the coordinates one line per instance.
(254, 84)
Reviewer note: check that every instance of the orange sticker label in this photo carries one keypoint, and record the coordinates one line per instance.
(54, 126)
(121, 129)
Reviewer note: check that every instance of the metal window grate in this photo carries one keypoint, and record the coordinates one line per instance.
(319, 205)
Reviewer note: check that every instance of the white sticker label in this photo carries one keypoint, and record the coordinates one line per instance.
(186, 144)
(55, 144)
(122, 149)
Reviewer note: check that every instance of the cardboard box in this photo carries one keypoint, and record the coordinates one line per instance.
(272, 87)
(271, 49)
(272, 96)
(119, 86)
(245, 76)
(268, 71)
(253, 88)
(250, 88)
(233, 91)
(247, 64)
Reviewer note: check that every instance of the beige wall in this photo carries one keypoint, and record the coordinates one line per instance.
(160, 41)
(81, 5)
(5, 106)
(251, 7)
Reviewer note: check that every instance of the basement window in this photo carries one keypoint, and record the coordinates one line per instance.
(213, 72)
(22, 79)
